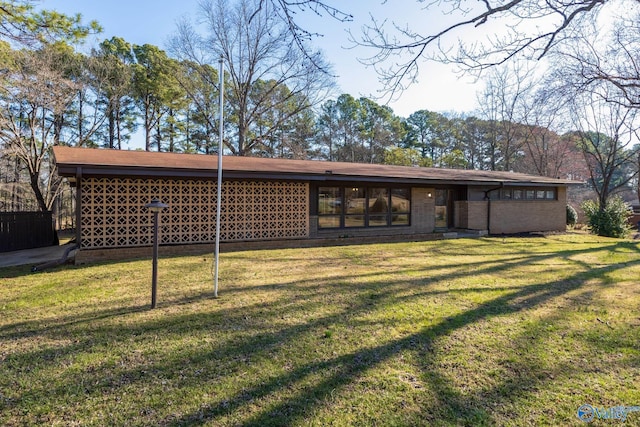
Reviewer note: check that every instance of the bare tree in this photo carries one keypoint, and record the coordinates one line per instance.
(501, 104)
(286, 10)
(606, 56)
(262, 58)
(474, 35)
(607, 132)
(548, 153)
(36, 96)
(597, 74)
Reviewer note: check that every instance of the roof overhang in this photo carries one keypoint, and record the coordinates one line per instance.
(86, 162)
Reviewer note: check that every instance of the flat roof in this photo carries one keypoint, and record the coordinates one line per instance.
(94, 162)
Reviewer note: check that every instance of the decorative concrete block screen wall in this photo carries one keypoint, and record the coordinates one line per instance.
(113, 214)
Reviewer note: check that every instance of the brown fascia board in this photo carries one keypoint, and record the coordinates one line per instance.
(142, 164)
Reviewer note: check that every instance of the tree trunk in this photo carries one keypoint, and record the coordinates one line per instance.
(112, 130)
(147, 124)
(638, 182)
(42, 205)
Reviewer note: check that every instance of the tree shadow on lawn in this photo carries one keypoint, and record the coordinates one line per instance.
(346, 369)
(453, 406)
(336, 373)
(34, 328)
(335, 283)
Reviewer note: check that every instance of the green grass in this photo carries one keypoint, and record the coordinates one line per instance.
(488, 331)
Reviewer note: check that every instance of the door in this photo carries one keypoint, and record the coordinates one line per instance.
(442, 209)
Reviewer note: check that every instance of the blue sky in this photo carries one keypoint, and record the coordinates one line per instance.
(153, 21)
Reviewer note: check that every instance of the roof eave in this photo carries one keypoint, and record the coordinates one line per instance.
(71, 170)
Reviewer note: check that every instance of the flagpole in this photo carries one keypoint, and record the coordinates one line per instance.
(220, 150)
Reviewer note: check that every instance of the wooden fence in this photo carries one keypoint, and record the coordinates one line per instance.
(26, 230)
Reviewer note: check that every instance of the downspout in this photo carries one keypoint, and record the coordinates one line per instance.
(76, 245)
(488, 199)
(55, 263)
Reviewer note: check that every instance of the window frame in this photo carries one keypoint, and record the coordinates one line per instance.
(364, 219)
(339, 201)
(528, 194)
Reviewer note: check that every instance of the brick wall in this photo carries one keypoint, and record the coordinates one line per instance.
(510, 217)
(523, 216)
(516, 216)
(476, 215)
(423, 218)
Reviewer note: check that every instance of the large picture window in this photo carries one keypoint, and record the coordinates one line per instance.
(357, 206)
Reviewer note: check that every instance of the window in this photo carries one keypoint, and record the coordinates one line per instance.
(329, 207)
(357, 206)
(378, 207)
(400, 206)
(528, 193)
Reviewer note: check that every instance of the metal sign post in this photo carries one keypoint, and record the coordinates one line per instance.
(219, 199)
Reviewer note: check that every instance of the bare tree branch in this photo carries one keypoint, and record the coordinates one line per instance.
(286, 11)
(496, 32)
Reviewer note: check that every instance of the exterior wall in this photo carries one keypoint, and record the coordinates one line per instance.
(470, 215)
(422, 220)
(473, 215)
(510, 216)
(113, 213)
(113, 217)
(523, 216)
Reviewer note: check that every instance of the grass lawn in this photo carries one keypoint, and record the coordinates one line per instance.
(487, 331)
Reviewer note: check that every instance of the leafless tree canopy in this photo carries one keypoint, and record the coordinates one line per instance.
(268, 65)
(608, 58)
(286, 10)
(30, 113)
(487, 32)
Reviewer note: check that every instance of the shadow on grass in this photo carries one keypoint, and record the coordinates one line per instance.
(454, 406)
(255, 339)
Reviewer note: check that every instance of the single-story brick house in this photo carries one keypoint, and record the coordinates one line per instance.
(291, 201)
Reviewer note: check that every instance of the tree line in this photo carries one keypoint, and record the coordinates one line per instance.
(280, 102)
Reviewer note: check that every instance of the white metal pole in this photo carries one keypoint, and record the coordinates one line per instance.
(219, 199)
